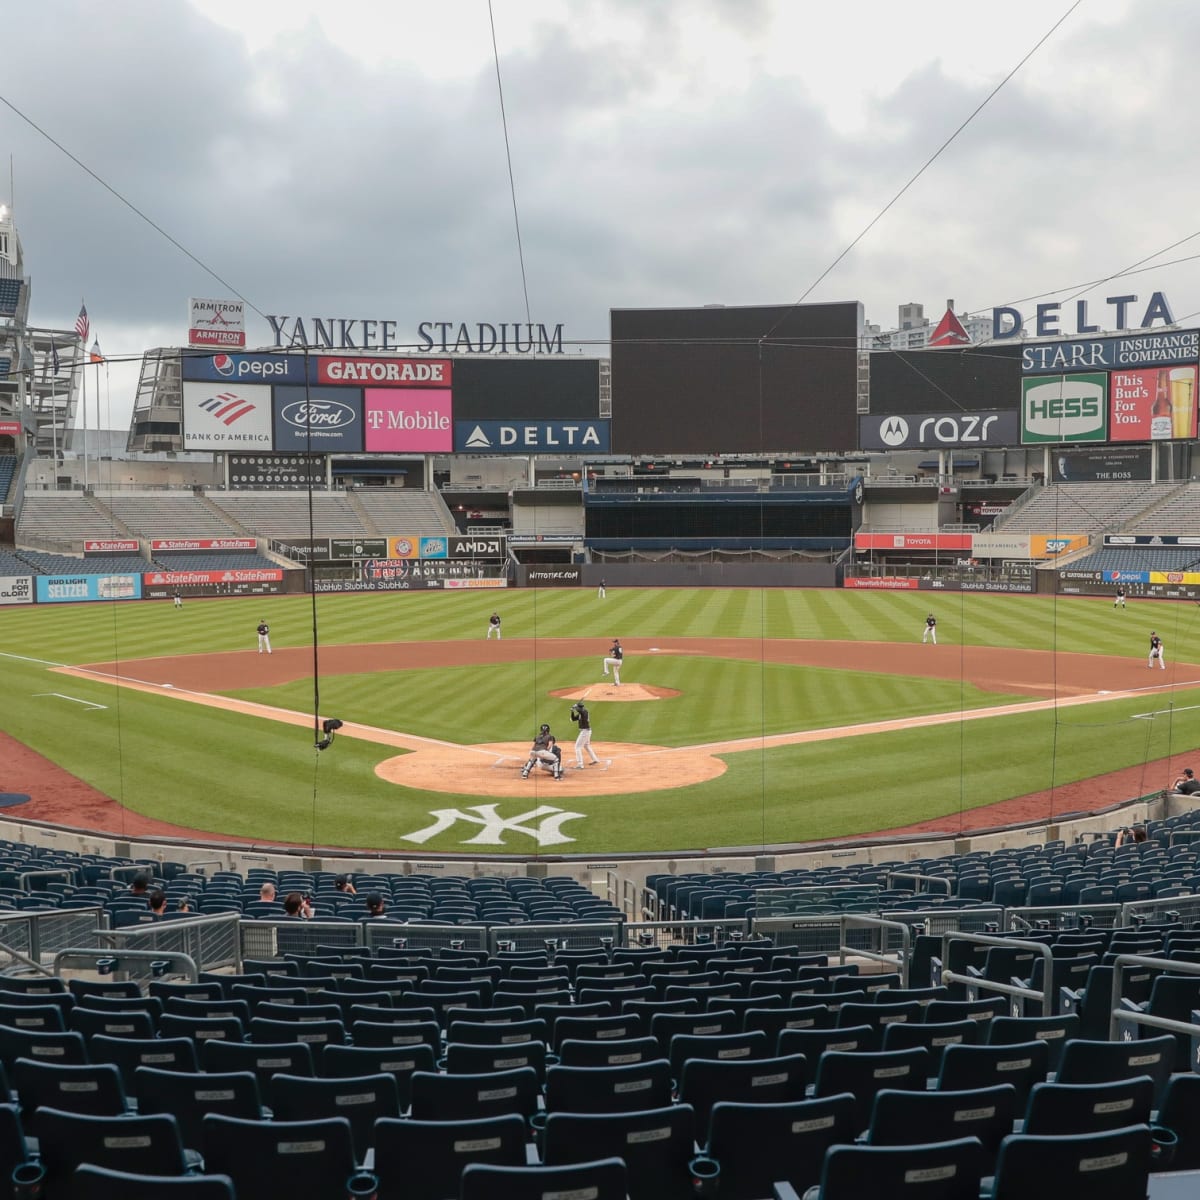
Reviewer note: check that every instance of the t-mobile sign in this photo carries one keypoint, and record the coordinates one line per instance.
(416, 420)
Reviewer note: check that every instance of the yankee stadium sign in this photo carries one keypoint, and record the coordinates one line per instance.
(433, 337)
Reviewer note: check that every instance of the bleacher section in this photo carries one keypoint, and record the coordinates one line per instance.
(38, 562)
(10, 296)
(170, 515)
(8, 468)
(63, 519)
(397, 510)
(521, 1021)
(286, 514)
(1083, 507)
(1179, 515)
(198, 561)
(1137, 558)
(10, 564)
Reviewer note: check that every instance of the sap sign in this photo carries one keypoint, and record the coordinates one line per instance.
(935, 430)
(1065, 408)
(531, 437)
(246, 368)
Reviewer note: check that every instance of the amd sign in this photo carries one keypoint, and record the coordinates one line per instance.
(477, 547)
(947, 430)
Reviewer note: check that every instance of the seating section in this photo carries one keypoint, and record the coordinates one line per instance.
(240, 560)
(1084, 507)
(1138, 558)
(286, 514)
(398, 510)
(63, 519)
(401, 1047)
(8, 468)
(170, 515)
(38, 562)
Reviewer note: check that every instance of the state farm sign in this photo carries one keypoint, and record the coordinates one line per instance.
(117, 547)
(203, 544)
(385, 372)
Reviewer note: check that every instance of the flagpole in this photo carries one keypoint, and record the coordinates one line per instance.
(83, 385)
(54, 410)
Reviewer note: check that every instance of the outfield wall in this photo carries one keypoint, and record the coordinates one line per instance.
(700, 574)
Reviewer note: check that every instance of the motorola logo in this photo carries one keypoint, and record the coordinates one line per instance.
(893, 431)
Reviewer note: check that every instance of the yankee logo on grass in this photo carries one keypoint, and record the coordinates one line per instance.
(546, 832)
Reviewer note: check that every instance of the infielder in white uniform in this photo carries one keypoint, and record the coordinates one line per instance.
(264, 637)
(603, 591)
(1156, 652)
(615, 657)
(579, 713)
(494, 626)
(930, 629)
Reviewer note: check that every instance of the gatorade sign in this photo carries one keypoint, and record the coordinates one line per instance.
(1065, 408)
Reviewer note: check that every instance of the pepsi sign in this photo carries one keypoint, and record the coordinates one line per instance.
(320, 419)
(245, 368)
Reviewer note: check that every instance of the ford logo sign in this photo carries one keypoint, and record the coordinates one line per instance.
(318, 414)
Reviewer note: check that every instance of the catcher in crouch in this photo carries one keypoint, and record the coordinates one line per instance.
(544, 753)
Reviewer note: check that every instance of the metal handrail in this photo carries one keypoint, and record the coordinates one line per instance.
(862, 921)
(1116, 1015)
(990, 985)
(919, 878)
(82, 958)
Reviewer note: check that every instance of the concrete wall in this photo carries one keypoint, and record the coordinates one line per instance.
(705, 574)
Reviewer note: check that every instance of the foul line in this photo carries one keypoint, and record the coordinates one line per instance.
(73, 699)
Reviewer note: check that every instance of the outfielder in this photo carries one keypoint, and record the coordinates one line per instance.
(615, 657)
(264, 637)
(579, 713)
(603, 591)
(544, 753)
(1156, 651)
(1119, 598)
(494, 627)
(178, 598)
(930, 629)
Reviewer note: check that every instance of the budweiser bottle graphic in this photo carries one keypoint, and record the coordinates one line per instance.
(1160, 413)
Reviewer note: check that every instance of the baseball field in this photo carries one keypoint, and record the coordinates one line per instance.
(745, 718)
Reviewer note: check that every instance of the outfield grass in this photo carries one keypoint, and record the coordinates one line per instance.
(261, 780)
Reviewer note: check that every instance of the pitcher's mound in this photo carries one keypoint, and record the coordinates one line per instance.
(612, 691)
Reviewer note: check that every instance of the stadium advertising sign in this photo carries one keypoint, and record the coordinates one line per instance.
(1078, 466)
(434, 547)
(252, 472)
(16, 589)
(1064, 408)
(1163, 349)
(883, 583)
(183, 544)
(244, 368)
(1050, 545)
(417, 420)
(318, 418)
(477, 547)
(938, 430)
(554, 577)
(125, 546)
(531, 437)
(384, 372)
(173, 578)
(912, 541)
(440, 337)
(216, 322)
(403, 547)
(1149, 539)
(60, 589)
(10, 428)
(230, 417)
(1009, 322)
(342, 548)
(1152, 405)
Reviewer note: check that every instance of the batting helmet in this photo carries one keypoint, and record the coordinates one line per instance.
(545, 728)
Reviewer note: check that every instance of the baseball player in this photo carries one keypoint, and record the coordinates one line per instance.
(1119, 598)
(1156, 652)
(930, 630)
(580, 714)
(615, 657)
(178, 598)
(264, 636)
(603, 590)
(494, 627)
(544, 753)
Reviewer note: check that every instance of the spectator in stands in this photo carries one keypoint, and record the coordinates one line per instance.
(266, 893)
(185, 904)
(1135, 834)
(297, 906)
(140, 884)
(343, 883)
(376, 905)
(1187, 783)
(158, 901)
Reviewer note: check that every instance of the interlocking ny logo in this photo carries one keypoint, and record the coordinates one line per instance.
(547, 832)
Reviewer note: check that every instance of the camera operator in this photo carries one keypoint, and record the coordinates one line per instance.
(1136, 833)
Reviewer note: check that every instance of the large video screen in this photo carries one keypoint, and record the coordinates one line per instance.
(970, 379)
(735, 380)
(541, 389)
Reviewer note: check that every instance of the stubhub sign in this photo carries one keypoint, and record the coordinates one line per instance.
(244, 368)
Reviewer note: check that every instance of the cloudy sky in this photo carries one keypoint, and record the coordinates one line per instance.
(349, 160)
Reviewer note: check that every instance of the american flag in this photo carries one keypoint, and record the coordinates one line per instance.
(82, 324)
